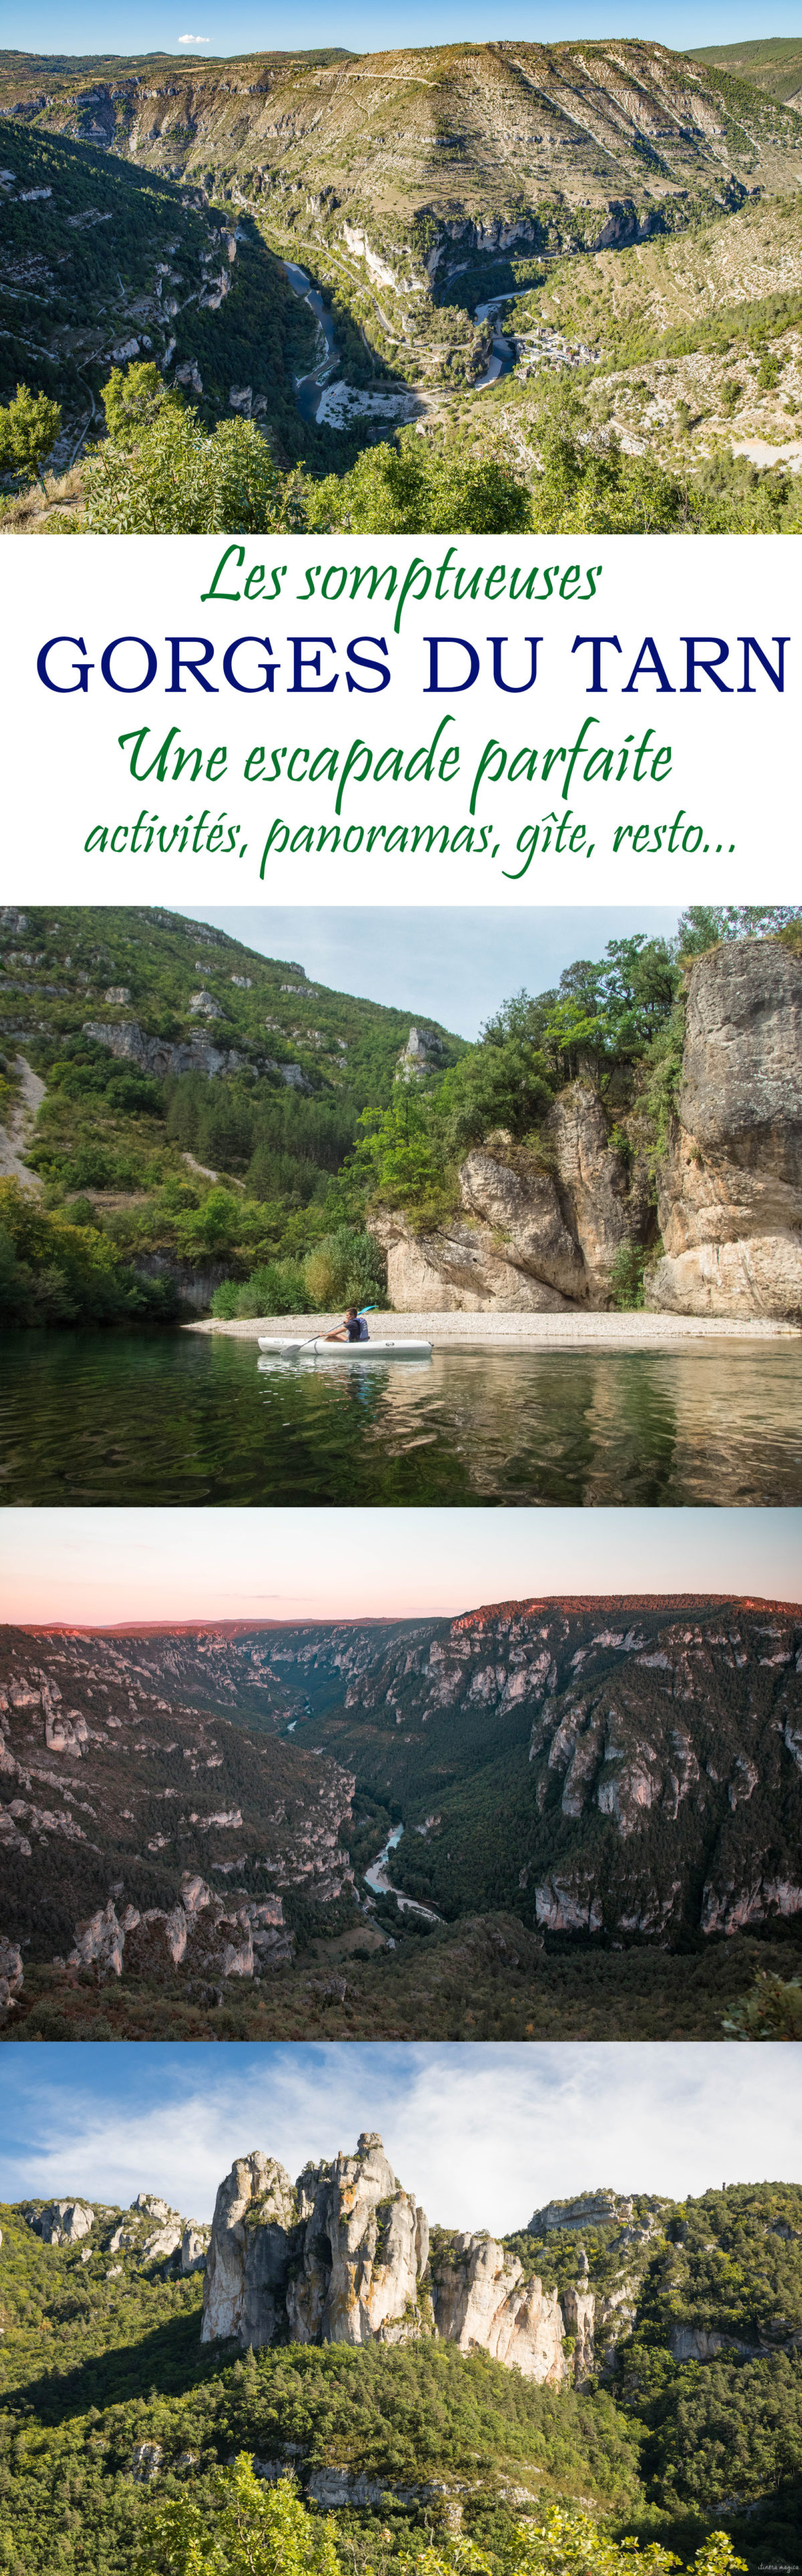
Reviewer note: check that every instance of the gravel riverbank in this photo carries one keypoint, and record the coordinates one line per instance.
(637, 1331)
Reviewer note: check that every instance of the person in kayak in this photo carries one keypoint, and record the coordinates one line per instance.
(353, 1329)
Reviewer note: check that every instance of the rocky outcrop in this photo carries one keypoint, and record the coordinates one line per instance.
(203, 1936)
(161, 1056)
(538, 1231)
(64, 2222)
(541, 1230)
(483, 2303)
(10, 1975)
(344, 2256)
(579, 2312)
(337, 2259)
(118, 1788)
(422, 1054)
(730, 1190)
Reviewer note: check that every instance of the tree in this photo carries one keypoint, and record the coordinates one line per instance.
(28, 428)
(160, 473)
(417, 487)
(259, 2530)
(267, 2531)
(705, 925)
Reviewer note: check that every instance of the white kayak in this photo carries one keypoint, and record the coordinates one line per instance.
(321, 1349)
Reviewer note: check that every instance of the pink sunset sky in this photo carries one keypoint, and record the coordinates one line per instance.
(96, 1568)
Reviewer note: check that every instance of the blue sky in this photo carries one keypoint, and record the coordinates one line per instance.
(482, 2135)
(454, 965)
(143, 26)
(92, 1567)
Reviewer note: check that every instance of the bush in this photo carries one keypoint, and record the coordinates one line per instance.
(160, 473)
(28, 427)
(344, 1270)
(626, 1278)
(274, 1288)
(772, 2010)
(55, 1272)
(265, 2530)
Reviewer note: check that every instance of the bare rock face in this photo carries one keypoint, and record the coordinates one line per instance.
(65, 2222)
(204, 1937)
(579, 2311)
(607, 1194)
(730, 1191)
(535, 1235)
(482, 2303)
(364, 2247)
(194, 2248)
(459, 1270)
(337, 2259)
(10, 1975)
(244, 2290)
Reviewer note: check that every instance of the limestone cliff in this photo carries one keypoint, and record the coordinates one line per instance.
(339, 2259)
(730, 1190)
(482, 2303)
(540, 1229)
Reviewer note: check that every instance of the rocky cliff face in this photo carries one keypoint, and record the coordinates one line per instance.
(121, 1802)
(730, 1191)
(483, 2303)
(650, 1757)
(541, 1231)
(344, 2256)
(538, 1232)
(337, 2259)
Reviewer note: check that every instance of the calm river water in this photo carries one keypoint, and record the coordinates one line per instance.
(172, 1417)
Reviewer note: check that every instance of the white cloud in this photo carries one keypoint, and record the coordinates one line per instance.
(194, 40)
(482, 2134)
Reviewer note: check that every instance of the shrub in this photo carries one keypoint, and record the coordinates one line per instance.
(343, 1270)
(274, 1288)
(626, 1278)
(28, 427)
(55, 1272)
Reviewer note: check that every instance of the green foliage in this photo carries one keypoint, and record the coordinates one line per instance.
(257, 2530)
(28, 428)
(397, 1154)
(132, 401)
(771, 2010)
(419, 487)
(54, 1272)
(626, 1278)
(705, 925)
(603, 1019)
(344, 1269)
(274, 1288)
(160, 473)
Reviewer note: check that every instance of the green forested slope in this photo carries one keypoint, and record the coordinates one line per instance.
(213, 1133)
(95, 2363)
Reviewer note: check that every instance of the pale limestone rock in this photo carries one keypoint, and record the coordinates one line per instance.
(760, 1275)
(166, 2241)
(364, 2247)
(11, 1974)
(730, 1190)
(99, 1943)
(246, 2272)
(65, 2222)
(609, 1199)
(194, 2249)
(579, 2311)
(523, 1204)
(146, 2460)
(482, 2303)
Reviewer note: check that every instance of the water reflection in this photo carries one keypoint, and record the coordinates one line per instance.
(173, 1418)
